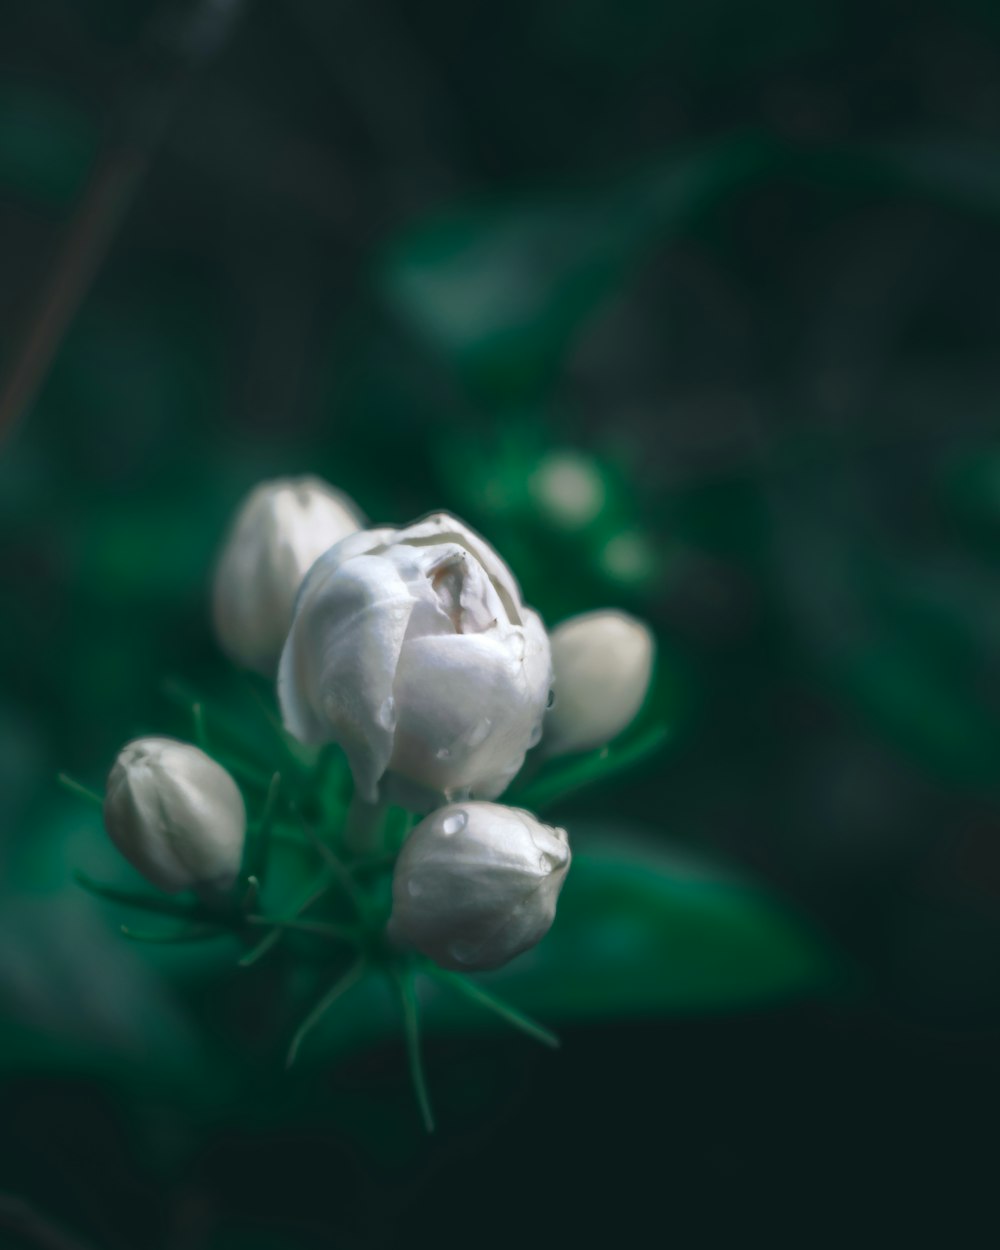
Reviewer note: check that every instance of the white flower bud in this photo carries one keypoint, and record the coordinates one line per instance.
(411, 648)
(175, 814)
(603, 662)
(278, 531)
(476, 884)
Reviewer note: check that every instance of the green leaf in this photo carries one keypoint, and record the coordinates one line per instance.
(501, 289)
(643, 927)
(46, 145)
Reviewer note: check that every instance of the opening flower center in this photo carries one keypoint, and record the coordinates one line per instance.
(447, 581)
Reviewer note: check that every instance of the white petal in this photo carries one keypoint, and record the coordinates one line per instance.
(335, 682)
(537, 653)
(440, 527)
(467, 713)
(363, 543)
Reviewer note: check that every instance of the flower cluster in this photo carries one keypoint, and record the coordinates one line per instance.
(411, 649)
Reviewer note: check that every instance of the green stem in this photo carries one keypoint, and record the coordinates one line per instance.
(589, 769)
(339, 870)
(483, 998)
(411, 1031)
(83, 792)
(251, 894)
(245, 772)
(275, 726)
(349, 979)
(262, 838)
(198, 717)
(267, 943)
(231, 744)
(144, 902)
(363, 827)
(272, 939)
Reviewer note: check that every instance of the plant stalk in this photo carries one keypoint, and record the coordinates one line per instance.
(363, 827)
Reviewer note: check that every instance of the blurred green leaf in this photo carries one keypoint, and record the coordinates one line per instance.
(502, 288)
(646, 928)
(77, 995)
(963, 173)
(909, 643)
(74, 993)
(46, 145)
(933, 672)
(969, 490)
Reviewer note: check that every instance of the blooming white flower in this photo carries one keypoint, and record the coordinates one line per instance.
(476, 884)
(603, 662)
(278, 531)
(175, 814)
(411, 648)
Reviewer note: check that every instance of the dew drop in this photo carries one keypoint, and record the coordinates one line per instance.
(480, 732)
(551, 861)
(550, 702)
(536, 736)
(414, 889)
(387, 713)
(443, 754)
(454, 822)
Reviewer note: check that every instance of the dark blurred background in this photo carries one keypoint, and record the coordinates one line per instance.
(691, 308)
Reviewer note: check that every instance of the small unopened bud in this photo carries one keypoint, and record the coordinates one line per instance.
(476, 884)
(279, 530)
(602, 662)
(176, 815)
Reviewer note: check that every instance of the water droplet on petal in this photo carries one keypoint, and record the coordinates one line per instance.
(550, 702)
(454, 822)
(549, 861)
(414, 889)
(480, 732)
(387, 713)
(443, 753)
(536, 735)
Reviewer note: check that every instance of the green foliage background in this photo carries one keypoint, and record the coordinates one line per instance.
(740, 259)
